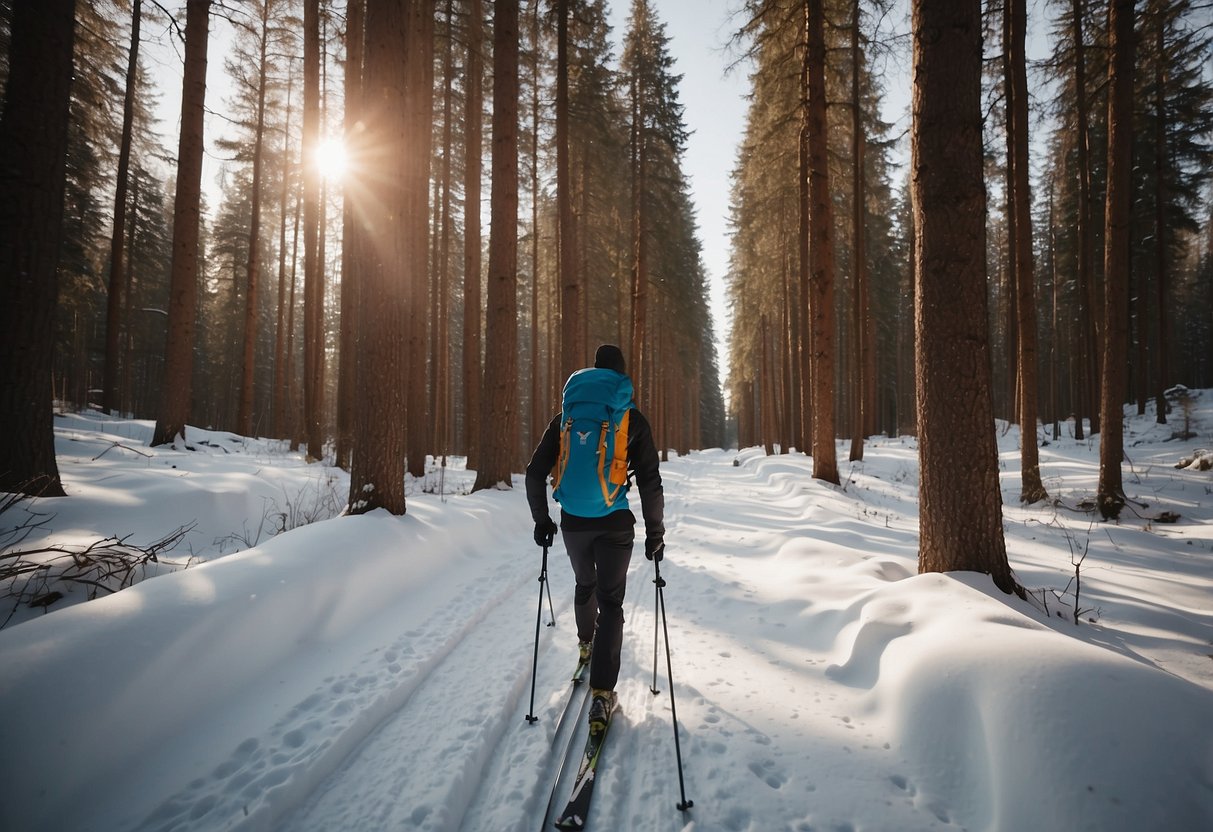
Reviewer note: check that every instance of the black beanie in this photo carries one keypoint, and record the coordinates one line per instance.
(609, 357)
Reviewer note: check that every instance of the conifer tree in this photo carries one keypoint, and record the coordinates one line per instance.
(187, 218)
(957, 452)
(1110, 497)
(499, 413)
(118, 281)
(33, 143)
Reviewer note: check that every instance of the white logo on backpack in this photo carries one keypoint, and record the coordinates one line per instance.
(583, 436)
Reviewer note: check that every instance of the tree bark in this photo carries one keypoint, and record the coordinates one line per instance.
(441, 359)
(473, 138)
(539, 413)
(244, 419)
(499, 415)
(351, 249)
(378, 190)
(313, 279)
(183, 290)
(804, 351)
(419, 85)
(960, 501)
(1091, 349)
(572, 322)
(119, 284)
(640, 269)
(1110, 497)
(33, 145)
(821, 250)
(1033, 489)
(864, 359)
(281, 356)
(1161, 235)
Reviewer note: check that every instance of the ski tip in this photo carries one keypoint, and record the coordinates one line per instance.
(570, 822)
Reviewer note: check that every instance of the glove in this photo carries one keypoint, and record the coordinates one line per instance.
(545, 532)
(654, 547)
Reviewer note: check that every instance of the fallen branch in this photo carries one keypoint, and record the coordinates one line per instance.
(42, 576)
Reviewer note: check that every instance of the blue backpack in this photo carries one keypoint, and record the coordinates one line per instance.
(591, 474)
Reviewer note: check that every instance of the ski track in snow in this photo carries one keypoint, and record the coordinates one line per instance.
(387, 692)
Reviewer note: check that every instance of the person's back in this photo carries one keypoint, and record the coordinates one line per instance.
(594, 448)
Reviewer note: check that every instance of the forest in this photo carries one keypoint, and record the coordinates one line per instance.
(429, 214)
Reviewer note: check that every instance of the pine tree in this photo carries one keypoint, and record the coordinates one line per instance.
(313, 278)
(187, 215)
(820, 287)
(473, 141)
(957, 452)
(118, 281)
(1110, 494)
(419, 76)
(378, 192)
(351, 254)
(499, 413)
(33, 143)
(1024, 278)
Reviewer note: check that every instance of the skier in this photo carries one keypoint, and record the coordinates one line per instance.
(579, 450)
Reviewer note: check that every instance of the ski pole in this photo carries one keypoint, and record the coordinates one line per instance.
(669, 668)
(543, 579)
(656, 623)
(548, 584)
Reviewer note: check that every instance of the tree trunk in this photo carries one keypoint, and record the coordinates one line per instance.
(244, 419)
(281, 356)
(183, 291)
(804, 307)
(640, 268)
(419, 84)
(119, 284)
(442, 384)
(1110, 496)
(1088, 388)
(351, 248)
(539, 413)
(313, 279)
(864, 360)
(821, 250)
(766, 385)
(33, 145)
(572, 322)
(294, 420)
(473, 102)
(960, 500)
(1160, 216)
(499, 415)
(1033, 489)
(377, 188)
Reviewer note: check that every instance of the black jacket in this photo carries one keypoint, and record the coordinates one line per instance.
(642, 468)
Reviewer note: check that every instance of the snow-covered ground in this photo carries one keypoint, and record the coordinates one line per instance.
(366, 673)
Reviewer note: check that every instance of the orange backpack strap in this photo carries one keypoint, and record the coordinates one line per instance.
(562, 461)
(619, 460)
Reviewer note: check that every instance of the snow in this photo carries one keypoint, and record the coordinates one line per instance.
(373, 672)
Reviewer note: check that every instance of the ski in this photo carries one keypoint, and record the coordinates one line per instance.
(564, 758)
(578, 808)
(579, 674)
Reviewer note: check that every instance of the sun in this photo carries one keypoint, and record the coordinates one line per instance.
(330, 159)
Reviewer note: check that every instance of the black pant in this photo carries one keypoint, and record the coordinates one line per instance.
(600, 565)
